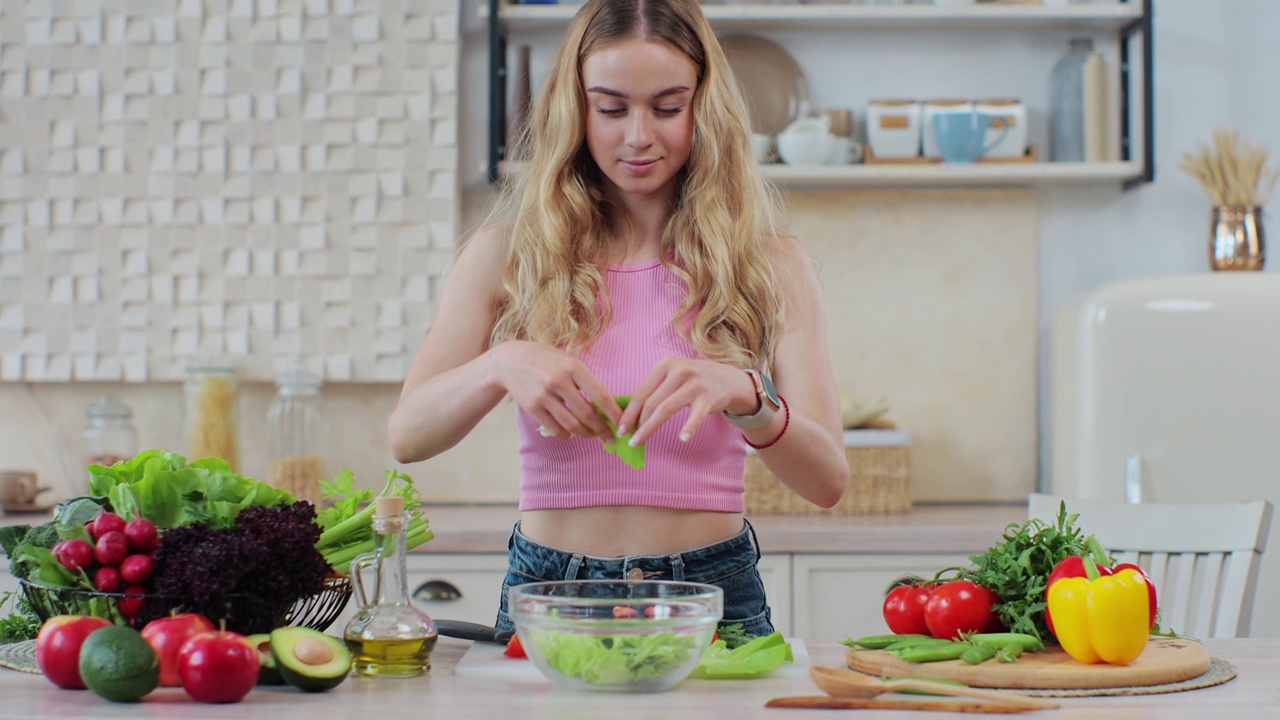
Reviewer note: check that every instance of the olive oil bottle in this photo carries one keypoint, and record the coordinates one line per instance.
(389, 636)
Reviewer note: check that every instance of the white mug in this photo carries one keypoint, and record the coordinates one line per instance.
(761, 147)
(845, 151)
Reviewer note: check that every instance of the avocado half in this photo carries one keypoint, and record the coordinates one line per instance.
(268, 673)
(309, 659)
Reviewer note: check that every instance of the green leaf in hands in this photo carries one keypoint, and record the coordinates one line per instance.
(633, 456)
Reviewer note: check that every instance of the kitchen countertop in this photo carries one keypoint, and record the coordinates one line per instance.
(925, 529)
(1253, 694)
(960, 528)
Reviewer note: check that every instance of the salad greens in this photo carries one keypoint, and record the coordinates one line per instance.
(633, 456)
(613, 659)
(167, 490)
(753, 658)
(348, 530)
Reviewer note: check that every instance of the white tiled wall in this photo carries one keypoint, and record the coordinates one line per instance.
(253, 178)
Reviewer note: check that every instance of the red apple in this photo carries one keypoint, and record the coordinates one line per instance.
(142, 535)
(166, 636)
(58, 647)
(218, 666)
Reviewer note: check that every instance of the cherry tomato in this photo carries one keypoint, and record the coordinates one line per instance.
(960, 606)
(514, 648)
(904, 609)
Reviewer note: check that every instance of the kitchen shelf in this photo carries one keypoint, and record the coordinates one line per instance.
(1128, 20)
(531, 18)
(937, 174)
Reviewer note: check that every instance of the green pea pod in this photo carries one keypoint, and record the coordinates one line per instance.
(933, 653)
(1029, 643)
(880, 642)
(914, 643)
(976, 654)
(1009, 653)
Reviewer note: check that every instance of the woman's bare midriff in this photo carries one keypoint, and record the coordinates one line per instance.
(621, 530)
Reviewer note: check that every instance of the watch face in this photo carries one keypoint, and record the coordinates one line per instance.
(769, 390)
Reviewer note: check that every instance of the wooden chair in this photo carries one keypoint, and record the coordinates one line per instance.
(1203, 558)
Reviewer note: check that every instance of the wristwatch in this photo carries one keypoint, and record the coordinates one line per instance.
(769, 403)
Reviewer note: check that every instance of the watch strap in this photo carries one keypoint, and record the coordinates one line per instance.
(762, 416)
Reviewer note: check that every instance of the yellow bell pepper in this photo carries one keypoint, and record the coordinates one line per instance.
(1101, 619)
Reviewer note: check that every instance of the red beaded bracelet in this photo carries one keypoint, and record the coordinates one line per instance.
(785, 424)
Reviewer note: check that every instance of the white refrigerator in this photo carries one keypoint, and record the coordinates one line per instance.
(1167, 389)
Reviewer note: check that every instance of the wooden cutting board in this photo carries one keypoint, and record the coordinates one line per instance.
(1165, 660)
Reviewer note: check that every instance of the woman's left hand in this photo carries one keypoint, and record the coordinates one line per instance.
(703, 386)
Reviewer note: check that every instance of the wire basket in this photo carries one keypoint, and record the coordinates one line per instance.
(316, 611)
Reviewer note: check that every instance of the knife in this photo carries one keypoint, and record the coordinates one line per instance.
(473, 631)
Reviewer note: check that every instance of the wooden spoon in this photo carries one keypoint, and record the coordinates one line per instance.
(838, 682)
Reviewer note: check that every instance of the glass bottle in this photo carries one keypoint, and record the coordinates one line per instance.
(296, 433)
(109, 436)
(211, 411)
(1067, 103)
(389, 636)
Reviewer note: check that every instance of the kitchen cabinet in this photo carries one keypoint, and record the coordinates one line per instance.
(466, 586)
(840, 596)
(811, 594)
(1129, 22)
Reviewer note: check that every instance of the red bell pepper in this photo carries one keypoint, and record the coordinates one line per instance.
(1073, 566)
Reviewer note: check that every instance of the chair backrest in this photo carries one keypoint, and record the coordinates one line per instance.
(1203, 558)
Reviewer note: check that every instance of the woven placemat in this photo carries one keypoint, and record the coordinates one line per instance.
(20, 656)
(1219, 671)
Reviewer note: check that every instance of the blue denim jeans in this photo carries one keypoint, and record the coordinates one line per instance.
(728, 564)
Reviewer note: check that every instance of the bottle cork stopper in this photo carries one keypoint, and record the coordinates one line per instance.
(388, 505)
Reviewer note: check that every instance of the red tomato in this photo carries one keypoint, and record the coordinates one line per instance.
(514, 648)
(218, 666)
(959, 606)
(166, 636)
(904, 609)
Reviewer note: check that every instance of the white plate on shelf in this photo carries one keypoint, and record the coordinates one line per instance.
(27, 508)
(771, 81)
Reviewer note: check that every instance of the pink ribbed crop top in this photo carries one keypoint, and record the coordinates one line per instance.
(704, 473)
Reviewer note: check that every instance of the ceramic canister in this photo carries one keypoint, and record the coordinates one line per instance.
(1014, 113)
(893, 128)
(929, 110)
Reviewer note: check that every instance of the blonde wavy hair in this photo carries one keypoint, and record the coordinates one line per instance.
(720, 238)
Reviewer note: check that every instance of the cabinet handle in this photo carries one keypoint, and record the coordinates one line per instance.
(437, 590)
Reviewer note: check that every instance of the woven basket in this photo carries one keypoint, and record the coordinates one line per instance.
(879, 475)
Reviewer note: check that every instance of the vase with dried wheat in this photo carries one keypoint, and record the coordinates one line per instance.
(1238, 180)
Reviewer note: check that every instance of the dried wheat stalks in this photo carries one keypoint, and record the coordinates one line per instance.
(1233, 172)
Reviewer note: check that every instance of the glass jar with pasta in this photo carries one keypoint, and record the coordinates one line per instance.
(211, 410)
(296, 433)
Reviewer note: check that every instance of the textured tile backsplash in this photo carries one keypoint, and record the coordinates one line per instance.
(252, 178)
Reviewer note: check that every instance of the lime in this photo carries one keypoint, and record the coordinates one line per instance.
(117, 664)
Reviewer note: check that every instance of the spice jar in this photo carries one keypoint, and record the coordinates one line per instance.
(211, 410)
(109, 436)
(296, 433)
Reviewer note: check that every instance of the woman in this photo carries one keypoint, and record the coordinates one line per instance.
(640, 258)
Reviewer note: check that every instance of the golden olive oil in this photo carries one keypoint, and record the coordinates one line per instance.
(383, 657)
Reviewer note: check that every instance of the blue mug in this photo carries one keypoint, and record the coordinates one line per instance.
(961, 134)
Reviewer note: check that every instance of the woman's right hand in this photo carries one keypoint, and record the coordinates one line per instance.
(556, 389)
